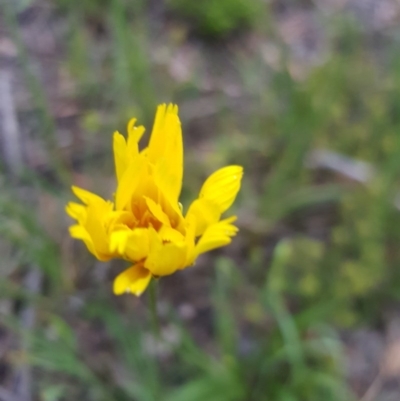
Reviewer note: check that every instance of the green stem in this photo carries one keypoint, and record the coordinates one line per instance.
(153, 308)
(156, 332)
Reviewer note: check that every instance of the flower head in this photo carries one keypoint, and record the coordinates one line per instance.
(145, 223)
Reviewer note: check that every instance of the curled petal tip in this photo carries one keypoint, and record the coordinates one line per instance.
(132, 280)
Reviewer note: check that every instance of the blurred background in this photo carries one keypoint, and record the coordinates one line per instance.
(304, 304)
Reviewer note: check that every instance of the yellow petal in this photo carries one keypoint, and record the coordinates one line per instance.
(165, 151)
(76, 211)
(120, 154)
(134, 136)
(125, 152)
(168, 234)
(118, 220)
(158, 137)
(137, 244)
(204, 212)
(131, 245)
(172, 210)
(130, 181)
(222, 186)
(79, 232)
(118, 240)
(92, 224)
(134, 280)
(87, 197)
(166, 212)
(157, 211)
(156, 133)
(190, 226)
(164, 259)
(97, 215)
(217, 235)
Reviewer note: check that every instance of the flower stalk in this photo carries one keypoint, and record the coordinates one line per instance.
(153, 309)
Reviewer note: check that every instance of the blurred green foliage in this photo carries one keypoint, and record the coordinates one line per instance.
(219, 19)
(317, 251)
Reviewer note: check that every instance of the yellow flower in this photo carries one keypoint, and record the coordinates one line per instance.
(145, 224)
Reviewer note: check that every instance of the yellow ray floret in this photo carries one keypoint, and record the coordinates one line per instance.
(145, 224)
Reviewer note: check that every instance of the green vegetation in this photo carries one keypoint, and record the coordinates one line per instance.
(318, 251)
(218, 19)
